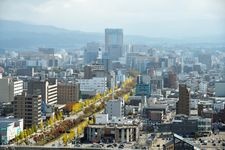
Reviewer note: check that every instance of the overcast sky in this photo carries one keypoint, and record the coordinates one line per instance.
(152, 18)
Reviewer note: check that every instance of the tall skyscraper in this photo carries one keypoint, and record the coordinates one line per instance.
(114, 43)
(183, 105)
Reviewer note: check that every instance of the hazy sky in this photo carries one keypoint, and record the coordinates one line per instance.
(153, 18)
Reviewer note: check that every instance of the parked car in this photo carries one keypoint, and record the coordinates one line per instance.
(109, 146)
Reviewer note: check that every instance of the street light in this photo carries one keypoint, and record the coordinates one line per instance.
(96, 134)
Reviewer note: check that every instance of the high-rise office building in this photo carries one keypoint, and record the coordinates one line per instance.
(47, 89)
(114, 43)
(183, 105)
(28, 107)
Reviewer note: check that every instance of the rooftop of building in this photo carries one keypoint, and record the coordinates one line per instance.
(59, 106)
(71, 83)
(113, 125)
(156, 111)
(180, 117)
(11, 78)
(156, 106)
(5, 121)
(186, 141)
(135, 97)
(115, 100)
(220, 82)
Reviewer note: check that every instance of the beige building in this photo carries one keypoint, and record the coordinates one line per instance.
(68, 92)
(28, 107)
(9, 88)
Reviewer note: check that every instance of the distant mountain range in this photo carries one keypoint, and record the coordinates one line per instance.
(17, 35)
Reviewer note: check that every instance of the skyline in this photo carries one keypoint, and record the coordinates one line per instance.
(112, 74)
(169, 19)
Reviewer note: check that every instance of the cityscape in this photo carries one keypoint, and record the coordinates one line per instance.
(102, 81)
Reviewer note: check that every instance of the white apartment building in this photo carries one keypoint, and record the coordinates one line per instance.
(52, 93)
(97, 84)
(9, 88)
(115, 108)
(9, 129)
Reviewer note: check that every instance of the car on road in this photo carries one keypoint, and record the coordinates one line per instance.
(110, 146)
